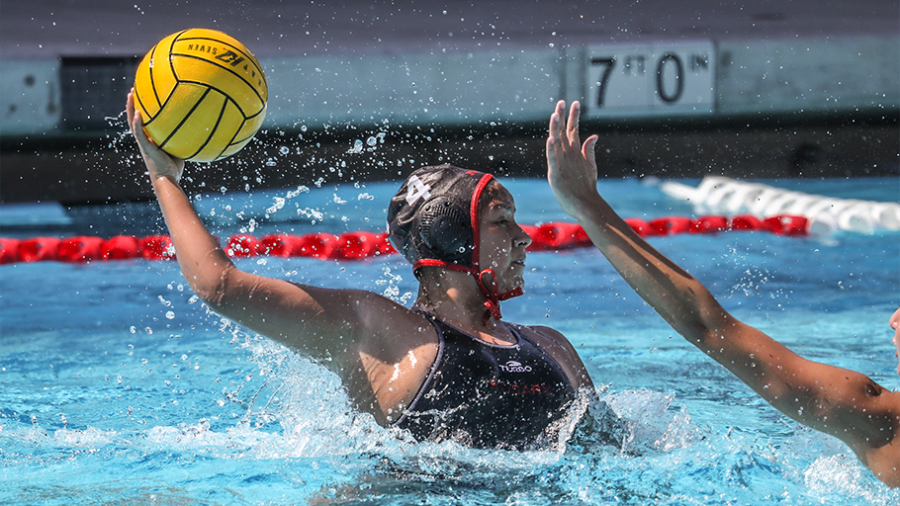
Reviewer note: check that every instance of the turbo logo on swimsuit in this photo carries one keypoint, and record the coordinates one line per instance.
(513, 366)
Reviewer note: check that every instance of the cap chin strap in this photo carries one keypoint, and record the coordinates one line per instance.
(492, 295)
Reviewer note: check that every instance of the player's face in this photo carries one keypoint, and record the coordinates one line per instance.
(503, 242)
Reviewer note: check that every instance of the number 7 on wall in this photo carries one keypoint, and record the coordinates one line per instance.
(608, 64)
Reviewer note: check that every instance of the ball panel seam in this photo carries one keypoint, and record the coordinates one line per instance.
(186, 116)
(223, 67)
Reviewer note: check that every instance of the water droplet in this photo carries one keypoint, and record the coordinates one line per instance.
(357, 147)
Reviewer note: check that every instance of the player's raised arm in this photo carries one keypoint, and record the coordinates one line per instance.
(316, 321)
(572, 171)
(842, 403)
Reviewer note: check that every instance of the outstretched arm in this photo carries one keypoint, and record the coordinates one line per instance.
(318, 322)
(843, 403)
(572, 171)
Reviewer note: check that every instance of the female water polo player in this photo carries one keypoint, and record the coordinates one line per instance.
(449, 368)
(843, 403)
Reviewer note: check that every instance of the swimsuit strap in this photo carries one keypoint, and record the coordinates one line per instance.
(521, 337)
(434, 366)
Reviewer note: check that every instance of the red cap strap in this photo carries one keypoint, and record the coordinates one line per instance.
(476, 222)
(492, 296)
(433, 262)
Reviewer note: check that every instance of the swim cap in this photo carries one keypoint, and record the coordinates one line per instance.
(433, 221)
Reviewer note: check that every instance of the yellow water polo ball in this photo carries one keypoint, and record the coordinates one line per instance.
(202, 95)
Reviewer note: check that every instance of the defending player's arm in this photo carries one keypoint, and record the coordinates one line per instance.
(843, 403)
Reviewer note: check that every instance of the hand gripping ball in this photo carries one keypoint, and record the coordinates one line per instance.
(202, 95)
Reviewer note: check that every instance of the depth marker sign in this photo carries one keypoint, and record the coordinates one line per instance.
(651, 79)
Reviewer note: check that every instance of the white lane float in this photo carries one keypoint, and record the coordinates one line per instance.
(826, 215)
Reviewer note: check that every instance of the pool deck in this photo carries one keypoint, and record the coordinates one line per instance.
(817, 82)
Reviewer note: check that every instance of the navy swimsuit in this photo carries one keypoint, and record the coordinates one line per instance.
(488, 396)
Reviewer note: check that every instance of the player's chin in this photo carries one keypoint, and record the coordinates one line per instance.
(515, 281)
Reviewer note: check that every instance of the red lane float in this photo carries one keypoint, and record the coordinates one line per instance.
(280, 245)
(9, 250)
(708, 225)
(79, 249)
(320, 246)
(787, 225)
(359, 245)
(157, 247)
(120, 247)
(557, 236)
(243, 246)
(37, 249)
(745, 222)
(669, 225)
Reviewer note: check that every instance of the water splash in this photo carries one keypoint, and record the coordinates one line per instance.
(293, 415)
(392, 290)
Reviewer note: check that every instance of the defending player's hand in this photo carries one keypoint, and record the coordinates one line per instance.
(571, 165)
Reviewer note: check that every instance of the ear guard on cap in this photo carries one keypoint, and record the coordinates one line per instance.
(444, 228)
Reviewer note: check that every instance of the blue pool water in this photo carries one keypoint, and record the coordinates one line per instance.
(118, 387)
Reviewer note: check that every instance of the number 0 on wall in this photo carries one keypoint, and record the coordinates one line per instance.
(651, 80)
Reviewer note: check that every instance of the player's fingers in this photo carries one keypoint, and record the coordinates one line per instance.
(588, 151)
(572, 124)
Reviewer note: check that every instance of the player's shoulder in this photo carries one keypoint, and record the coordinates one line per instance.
(543, 335)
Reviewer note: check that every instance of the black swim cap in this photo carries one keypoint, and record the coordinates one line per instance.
(434, 215)
(433, 221)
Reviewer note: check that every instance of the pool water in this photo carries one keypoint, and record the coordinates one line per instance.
(119, 387)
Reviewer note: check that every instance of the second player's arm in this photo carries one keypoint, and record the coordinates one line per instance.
(843, 403)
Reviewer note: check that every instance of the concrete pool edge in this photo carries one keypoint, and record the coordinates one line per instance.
(838, 76)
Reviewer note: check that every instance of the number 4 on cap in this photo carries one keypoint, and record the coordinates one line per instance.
(415, 190)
